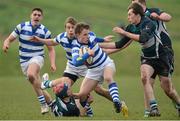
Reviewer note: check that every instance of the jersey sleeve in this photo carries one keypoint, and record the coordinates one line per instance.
(58, 38)
(156, 10)
(92, 33)
(78, 60)
(130, 28)
(17, 31)
(48, 35)
(122, 42)
(98, 39)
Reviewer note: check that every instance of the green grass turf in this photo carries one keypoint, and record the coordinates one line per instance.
(18, 101)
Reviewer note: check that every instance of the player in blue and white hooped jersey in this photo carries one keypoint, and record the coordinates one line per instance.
(102, 67)
(31, 54)
(65, 39)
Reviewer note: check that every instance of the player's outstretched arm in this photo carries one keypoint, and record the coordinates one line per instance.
(117, 46)
(110, 51)
(121, 31)
(49, 42)
(108, 38)
(110, 45)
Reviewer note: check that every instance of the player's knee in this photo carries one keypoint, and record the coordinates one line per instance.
(144, 79)
(31, 77)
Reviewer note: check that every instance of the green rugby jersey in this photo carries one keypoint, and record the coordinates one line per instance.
(62, 108)
(151, 45)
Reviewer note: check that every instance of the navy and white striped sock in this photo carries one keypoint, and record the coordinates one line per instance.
(88, 108)
(113, 90)
(89, 111)
(48, 83)
(42, 99)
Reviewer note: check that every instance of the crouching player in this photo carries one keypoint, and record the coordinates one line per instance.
(64, 103)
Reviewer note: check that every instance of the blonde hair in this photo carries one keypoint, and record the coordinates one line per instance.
(70, 20)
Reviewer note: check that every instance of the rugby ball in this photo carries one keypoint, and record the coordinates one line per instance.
(84, 50)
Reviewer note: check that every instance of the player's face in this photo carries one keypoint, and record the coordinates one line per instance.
(70, 30)
(83, 37)
(133, 18)
(36, 17)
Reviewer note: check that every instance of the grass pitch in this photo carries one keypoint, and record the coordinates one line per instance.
(18, 101)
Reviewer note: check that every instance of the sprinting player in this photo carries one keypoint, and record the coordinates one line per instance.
(31, 54)
(101, 68)
(71, 73)
(154, 58)
(159, 17)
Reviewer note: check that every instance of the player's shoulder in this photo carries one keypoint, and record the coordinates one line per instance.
(24, 23)
(92, 36)
(147, 21)
(92, 33)
(156, 10)
(131, 28)
(44, 28)
(61, 35)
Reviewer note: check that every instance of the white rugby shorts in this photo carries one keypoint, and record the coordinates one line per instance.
(39, 60)
(98, 72)
(79, 71)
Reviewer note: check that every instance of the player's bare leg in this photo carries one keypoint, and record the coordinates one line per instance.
(33, 77)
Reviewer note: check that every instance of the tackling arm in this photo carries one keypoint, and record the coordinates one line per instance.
(133, 36)
(110, 45)
(110, 51)
(125, 33)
